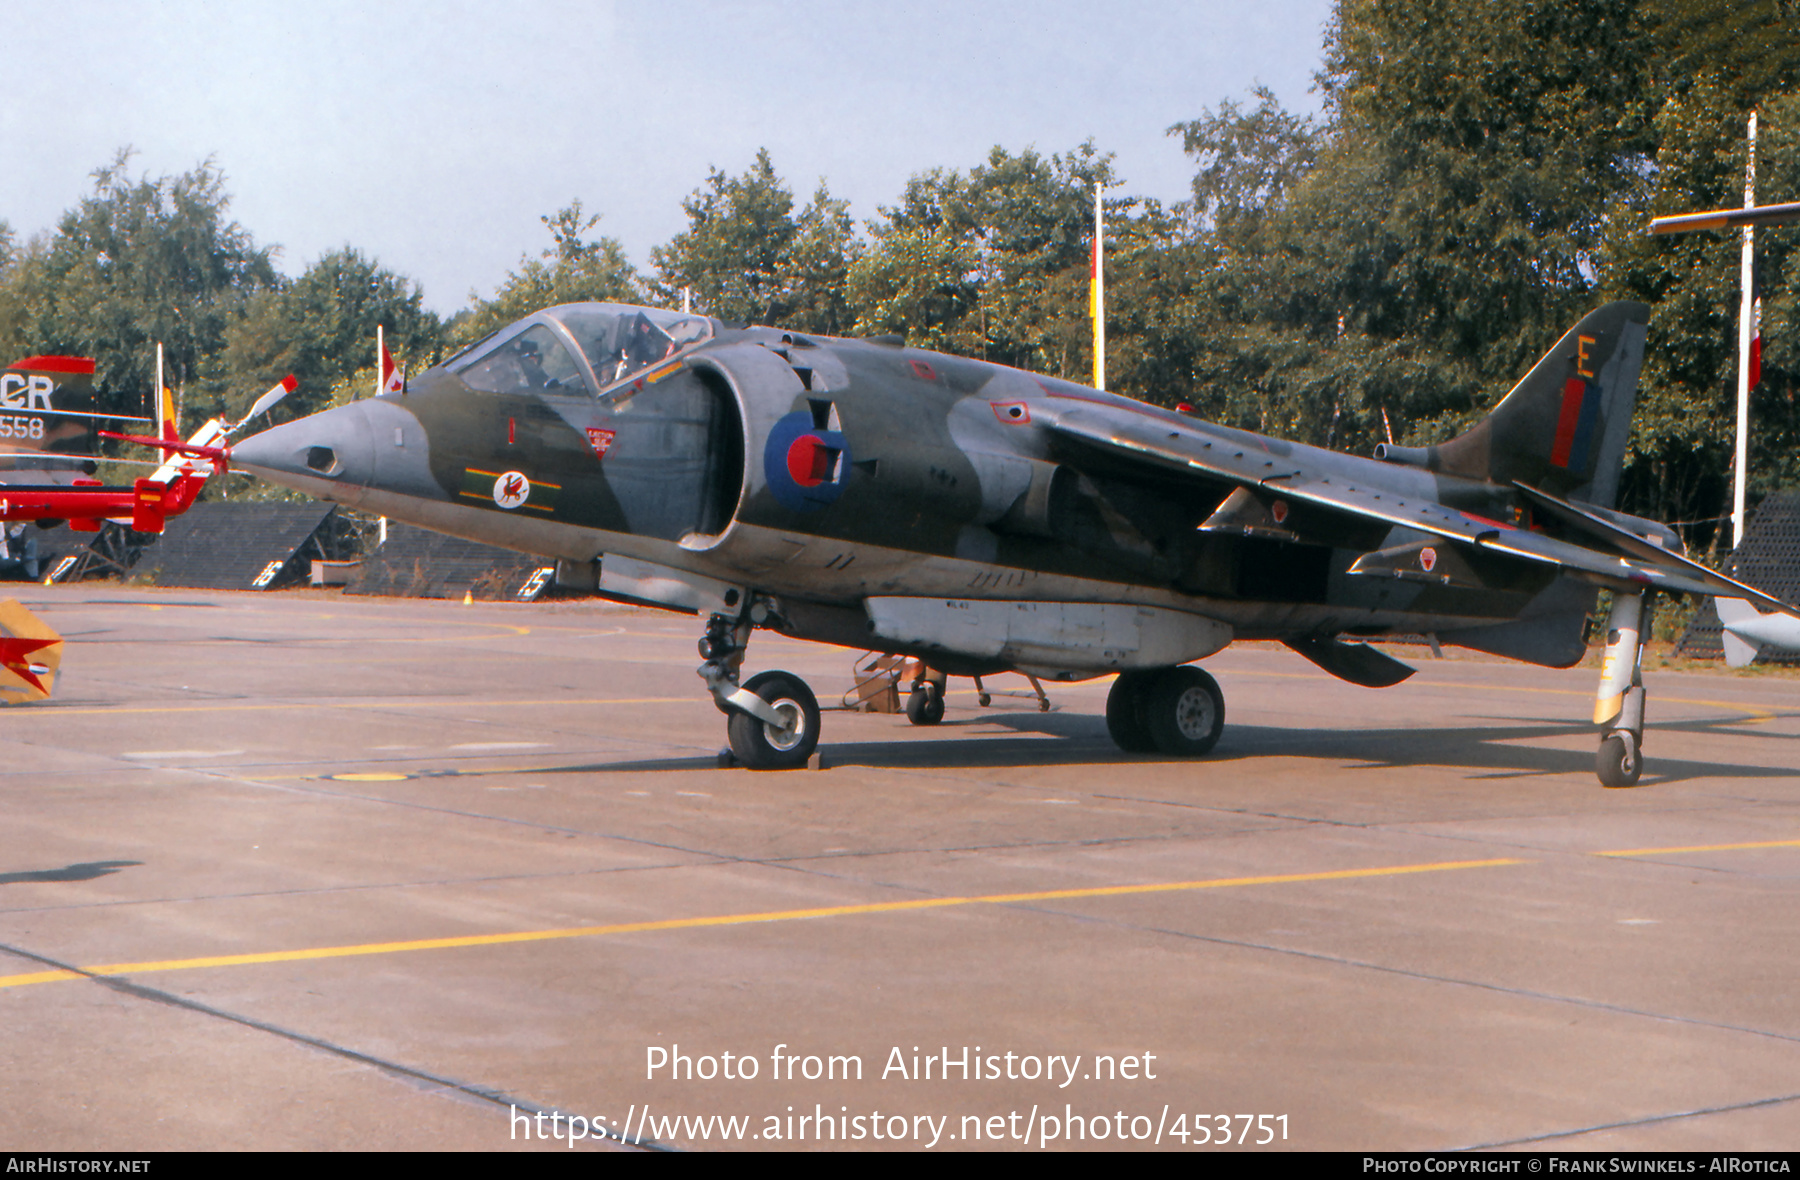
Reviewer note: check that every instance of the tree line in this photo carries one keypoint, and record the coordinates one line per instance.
(1479, 177)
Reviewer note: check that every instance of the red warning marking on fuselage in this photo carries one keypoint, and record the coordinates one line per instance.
(600, 440)
(1427, 559)
(1499, 524)
(1012, 413)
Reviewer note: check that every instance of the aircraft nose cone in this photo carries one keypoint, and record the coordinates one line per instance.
(328, 455)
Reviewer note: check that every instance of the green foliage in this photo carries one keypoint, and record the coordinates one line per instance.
(14, 341)
(995, 263)
(321, 327)
(747, 257)
(1710, 63)
(1480, 177)
(1483, 176)
(572, 269)
(134, 263)
(916, 281)
(1248, 163)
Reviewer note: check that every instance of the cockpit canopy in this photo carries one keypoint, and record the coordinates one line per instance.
(578, 348)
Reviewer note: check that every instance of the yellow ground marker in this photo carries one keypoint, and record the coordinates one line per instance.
(841, 911)
(303, 706)
(1701, 848)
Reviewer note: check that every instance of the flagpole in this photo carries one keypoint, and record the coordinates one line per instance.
(1097, 293)
(380, 364)
(1747, 268)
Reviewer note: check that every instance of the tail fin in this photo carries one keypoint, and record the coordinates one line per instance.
(1565, 426)
(48, 405)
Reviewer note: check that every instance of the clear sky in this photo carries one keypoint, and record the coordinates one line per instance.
(432, 135)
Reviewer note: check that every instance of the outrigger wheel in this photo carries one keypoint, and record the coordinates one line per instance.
(925, 703)
(762, 745)
(1619, 762)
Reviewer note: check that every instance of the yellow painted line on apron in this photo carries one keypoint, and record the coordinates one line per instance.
(841, 911)
(298, 706)
(1701, 848)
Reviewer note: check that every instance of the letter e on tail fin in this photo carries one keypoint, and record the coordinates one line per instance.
(1565, 426)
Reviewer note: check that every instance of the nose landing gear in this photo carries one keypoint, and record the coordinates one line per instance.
(773, 718)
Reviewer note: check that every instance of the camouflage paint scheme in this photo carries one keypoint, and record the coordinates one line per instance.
(864, 492)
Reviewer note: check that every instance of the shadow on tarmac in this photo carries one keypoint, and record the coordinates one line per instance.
(80, 872)
(1484, 752)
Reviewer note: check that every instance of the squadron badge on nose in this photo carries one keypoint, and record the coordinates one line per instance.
(512, 489)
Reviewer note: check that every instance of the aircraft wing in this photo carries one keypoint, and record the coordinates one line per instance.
(1236, 458)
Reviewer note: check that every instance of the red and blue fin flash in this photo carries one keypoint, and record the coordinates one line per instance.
(1575, 425)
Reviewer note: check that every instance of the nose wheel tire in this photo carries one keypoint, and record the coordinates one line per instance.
(1125, 713)
(925, 704)
(1619, 762)
(1183, 711)
(762, 746)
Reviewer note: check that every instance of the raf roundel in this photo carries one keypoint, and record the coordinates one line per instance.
(805, 465)
(512, 489)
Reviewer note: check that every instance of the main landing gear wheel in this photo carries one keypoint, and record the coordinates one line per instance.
(1183, 711)
(762, 746)
(1620, 762)
(925, 704)
(1125, 712)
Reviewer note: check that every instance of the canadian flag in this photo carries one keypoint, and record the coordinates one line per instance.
(390, 379)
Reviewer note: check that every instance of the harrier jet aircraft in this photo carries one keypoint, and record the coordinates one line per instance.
(983, 519)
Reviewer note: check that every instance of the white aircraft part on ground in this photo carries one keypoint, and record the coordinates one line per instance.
(1746, 630)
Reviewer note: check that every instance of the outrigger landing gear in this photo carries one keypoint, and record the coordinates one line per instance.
(1178, 711)
(773, 718)
(1619, 705)
(925, 703)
